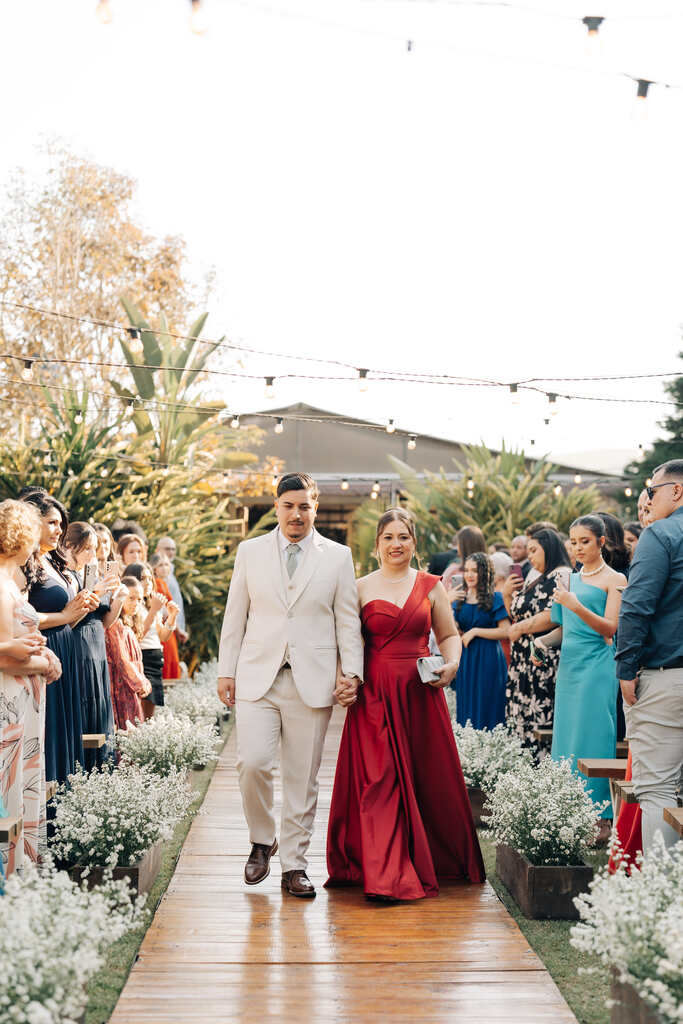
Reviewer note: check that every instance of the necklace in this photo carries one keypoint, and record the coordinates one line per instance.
(594, 572)
(401, 579)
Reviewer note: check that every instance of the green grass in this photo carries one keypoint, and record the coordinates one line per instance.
(105, 987)
(585, 993)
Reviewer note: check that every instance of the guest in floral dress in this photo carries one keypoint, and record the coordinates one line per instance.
(128, 680)
(531, 688)
(27, 667)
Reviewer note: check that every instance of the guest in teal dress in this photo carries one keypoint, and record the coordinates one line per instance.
(585, 691)
(483, 621)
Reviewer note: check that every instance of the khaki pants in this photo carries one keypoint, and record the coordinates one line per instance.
(281, 717)
(654, 728)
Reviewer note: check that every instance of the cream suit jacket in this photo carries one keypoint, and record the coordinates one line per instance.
(314, 616)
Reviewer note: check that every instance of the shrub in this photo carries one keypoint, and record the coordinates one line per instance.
(545, 813)
(114, 817)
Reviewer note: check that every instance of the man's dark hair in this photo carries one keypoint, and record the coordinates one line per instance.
(553, 548)
(674, 467)
(121, 526)
(297, 482)
(544, 524)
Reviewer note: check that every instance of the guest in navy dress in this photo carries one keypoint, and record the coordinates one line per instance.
(53, 595)
(97, 715)
(482, 619)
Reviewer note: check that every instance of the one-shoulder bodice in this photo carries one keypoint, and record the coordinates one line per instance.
(400, 632)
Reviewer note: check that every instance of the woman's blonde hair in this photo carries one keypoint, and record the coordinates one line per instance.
(20, 524)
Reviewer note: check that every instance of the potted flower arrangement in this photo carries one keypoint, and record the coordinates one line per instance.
(544, 822)
(486, 755)
(206, 677)
(117, 820)
(199, 703)
(168, 742)
(634, 923)
(55, 940)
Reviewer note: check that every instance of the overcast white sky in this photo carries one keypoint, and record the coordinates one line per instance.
(464, 207)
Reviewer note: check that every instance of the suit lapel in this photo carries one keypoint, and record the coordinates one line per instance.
(306, 569)
(275, 566)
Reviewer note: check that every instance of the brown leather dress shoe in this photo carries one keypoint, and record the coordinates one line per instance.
(258, 863)
(297, 883)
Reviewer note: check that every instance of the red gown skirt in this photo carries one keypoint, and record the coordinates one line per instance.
(628, 827)
(400, 819)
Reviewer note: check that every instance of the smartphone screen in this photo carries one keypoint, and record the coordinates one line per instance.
(90, 576)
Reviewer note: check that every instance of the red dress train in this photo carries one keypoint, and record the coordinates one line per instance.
(400, 817)
(628, 827)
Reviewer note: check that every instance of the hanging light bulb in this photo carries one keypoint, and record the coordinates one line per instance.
(391, 427)
(546, 421)
(87, 485)
(362, 380)
(78, 418)
(470, 484)
(279, 425)
(273, 481)
(103, 12)
(104, 472)
(375, 486)
(373, 495)
(27, 372)
(133, 333)
(577, 478)
(183, 490)
(270, 387)
(344, 484)
(643, 86)
(552, 402)
(412, 442)
(235, 423)
(532, 442)
(628, 492)
(514, 391)
(593, 24)
(557, 490)
(648, 482)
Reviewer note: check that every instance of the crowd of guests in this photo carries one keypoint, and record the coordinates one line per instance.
(550, 626)
(89, 628)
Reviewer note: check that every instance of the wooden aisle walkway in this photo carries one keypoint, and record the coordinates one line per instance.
(220, 952)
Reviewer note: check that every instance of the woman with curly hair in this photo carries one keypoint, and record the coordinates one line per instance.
(482, 619)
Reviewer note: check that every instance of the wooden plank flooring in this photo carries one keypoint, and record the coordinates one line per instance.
(219, 951)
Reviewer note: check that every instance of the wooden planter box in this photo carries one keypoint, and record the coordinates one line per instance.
(477, 800)
(141, 875)
(629, 1008)
(542, 891)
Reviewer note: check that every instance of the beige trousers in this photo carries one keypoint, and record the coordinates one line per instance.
(654, 727)
(281, 717)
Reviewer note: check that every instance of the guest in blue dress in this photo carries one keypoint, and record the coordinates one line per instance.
(482, 619)
(80, 543)
(586, 685)
(54, 597)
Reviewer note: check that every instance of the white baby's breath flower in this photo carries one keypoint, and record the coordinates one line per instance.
(168, 742)
(486, 755)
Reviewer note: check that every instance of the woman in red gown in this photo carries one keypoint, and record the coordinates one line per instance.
(400, 819)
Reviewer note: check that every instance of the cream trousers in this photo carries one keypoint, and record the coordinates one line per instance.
(281, 717)
(654, 727)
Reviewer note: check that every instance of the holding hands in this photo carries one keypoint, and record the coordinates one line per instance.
(346, 690)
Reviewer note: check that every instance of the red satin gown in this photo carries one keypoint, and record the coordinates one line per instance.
(400, 817)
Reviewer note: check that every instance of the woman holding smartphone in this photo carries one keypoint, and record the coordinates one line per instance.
(80, 545)
(155, 630)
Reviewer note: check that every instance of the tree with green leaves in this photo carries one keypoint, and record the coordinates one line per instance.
(669, 447)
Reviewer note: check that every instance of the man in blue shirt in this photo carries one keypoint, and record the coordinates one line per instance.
(650, 654)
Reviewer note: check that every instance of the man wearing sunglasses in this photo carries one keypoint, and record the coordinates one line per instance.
(650, 653)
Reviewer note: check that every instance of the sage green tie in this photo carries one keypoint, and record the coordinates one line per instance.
(293, 551)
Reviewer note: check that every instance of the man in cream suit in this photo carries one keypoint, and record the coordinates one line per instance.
(290, 644)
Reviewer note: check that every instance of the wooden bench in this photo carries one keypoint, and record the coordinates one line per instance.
(544, 738)
(11, 829)
(612, 768)
(93, 740)
(674, 816)
(622, 792)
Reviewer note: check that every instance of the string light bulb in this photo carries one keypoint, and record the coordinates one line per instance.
(557, 490)
(104, 472)
(373, 495)
(362, 380)
(552, 402)
(87, 485)
(279, 425)
(643, 86)
(470, 484)
(577, 478)
(133, 333)
(628, 492)
(344, 484)
(514, 391)
(78, 418)
(183, 490)
(648, 482)
(27, 371)
(270, 387)
(375, 486)
(412, 442)
(391, 427)
(593, 24)
(273, 481)
(198, 24)
(235, 423)
(103, 12)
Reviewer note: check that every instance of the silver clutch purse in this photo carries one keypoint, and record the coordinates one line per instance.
(426, 666)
